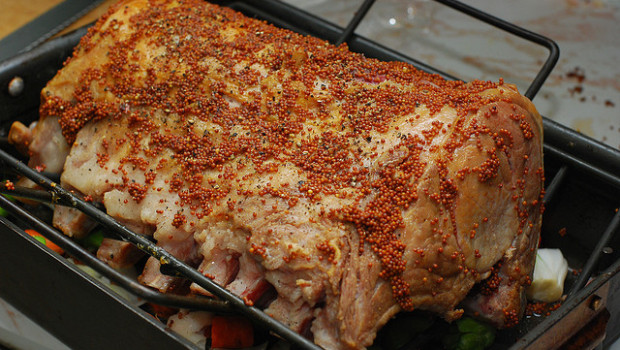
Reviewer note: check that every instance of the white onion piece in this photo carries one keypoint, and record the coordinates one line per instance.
(549, 275)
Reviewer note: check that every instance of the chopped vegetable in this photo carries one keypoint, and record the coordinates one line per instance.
(549, 275)
(469, 334)
(93, 241)
(39, 237)
(231, 332)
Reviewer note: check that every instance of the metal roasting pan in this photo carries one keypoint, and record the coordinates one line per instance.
(582, 197)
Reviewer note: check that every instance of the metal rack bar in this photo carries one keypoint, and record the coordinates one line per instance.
(357, 18)
(588, 268)
(36, 195)
(578, 163)
(553, 187)
(554, 50)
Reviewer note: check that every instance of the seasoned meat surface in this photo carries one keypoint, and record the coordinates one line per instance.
(268, 160)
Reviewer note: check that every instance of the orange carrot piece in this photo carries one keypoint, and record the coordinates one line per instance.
(39, 237)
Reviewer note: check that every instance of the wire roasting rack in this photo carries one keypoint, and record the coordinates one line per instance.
(575, 166)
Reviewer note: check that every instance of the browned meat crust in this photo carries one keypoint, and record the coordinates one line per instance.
(356, 188)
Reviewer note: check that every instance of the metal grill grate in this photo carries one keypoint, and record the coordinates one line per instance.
(572, 161)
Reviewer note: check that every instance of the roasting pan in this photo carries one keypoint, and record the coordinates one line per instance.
(581, 218)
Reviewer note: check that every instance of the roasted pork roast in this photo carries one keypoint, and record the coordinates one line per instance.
(271, 161)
